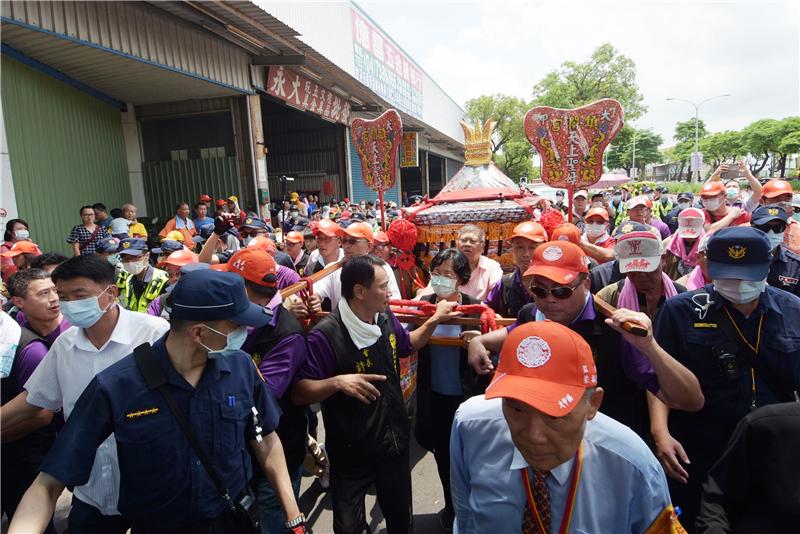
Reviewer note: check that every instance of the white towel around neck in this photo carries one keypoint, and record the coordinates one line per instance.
(363, 334)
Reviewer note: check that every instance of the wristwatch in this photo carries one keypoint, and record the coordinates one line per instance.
(299, 520)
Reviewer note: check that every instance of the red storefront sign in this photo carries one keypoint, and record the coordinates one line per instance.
(409, 150)
(303, 93)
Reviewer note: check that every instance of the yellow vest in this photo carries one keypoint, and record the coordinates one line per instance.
(127, 298)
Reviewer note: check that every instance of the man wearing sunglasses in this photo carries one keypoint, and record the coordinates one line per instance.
(558, 280)
(357, 240)
(784, 271)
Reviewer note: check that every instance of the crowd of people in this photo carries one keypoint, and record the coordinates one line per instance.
(650, 375)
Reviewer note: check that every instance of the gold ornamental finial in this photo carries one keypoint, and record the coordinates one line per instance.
(478, 142)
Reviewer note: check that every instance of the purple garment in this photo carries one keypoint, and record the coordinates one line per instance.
(30, 357)
(495, 297)
(659, 225)
(321, 361)
(286, 276)
(284, 359)
(154, 308)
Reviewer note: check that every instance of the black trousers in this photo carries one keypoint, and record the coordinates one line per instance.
(86, 519)
(443, 411)
(350, 480)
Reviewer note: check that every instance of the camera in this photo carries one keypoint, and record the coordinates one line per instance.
(727, 362)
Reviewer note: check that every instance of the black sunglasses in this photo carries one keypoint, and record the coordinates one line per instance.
(775, 227)
(560, 292)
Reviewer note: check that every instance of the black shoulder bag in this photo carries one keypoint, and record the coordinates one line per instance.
(245, 511)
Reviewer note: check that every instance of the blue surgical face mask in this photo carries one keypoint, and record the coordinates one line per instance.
(442, 285)
(22, 234)
(114, 259)
(775, 239)
(796, 216)
(740, 291)
(84, 313)
(234, 341)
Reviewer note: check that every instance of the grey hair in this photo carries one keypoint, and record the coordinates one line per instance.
(472, 229)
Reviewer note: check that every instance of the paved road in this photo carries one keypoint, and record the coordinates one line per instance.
(426, 488)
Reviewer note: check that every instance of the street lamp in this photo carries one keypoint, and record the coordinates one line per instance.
(633, 163)
(696, 119)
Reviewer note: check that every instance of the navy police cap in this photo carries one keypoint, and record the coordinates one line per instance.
(167, 247)
(133, 246)
(107, 245)
(739, 252)
(765, 214)
(206, 295)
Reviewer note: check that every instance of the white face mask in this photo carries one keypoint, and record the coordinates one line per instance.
(775, 239)
(133, 267)
(740, 291)
(712, 204)
(595, 230)
(22, 234)
(442, 285)
(683, 204)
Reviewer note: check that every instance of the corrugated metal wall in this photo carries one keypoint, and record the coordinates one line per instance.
(360, 190)
(139, 30)
(166, 183)
(66, 150)
(305, 148)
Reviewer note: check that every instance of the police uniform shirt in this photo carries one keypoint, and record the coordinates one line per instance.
(61, 377)
(784, 271)
(688, 330)
(162, 482)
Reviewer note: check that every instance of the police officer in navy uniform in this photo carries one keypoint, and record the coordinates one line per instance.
(164, 486)
(784, 271)
(741, 338)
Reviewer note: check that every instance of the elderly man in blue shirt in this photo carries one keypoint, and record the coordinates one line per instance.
(534, 455)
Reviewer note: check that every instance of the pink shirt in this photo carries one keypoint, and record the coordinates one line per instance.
(483, 278)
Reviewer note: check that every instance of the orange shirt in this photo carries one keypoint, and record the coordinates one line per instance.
(791, 237)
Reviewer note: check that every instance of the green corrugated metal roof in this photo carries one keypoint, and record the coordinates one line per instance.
(66, 150)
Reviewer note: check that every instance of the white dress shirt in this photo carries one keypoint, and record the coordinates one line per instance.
(67, 369)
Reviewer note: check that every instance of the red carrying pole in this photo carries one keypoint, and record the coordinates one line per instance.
(570, 192)
(383, 213)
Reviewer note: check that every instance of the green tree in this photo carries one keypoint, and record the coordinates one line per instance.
(511, 150)
(789, 130)
(722, 146)
(761, 140)
(620, 155)
(607, 74)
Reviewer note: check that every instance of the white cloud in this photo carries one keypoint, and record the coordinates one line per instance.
(690, 50)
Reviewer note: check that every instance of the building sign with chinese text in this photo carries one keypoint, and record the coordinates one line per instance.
(382, 67)
(409, 150)
(305, 94)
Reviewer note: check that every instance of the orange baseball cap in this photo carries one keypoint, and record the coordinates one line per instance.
(179, 258)
(22, 247)
(263, 243)
(358, 229)
(294, 237)
(532, 231)
(711, 189)
(776, 188)
(254, 265)
(566, 232)
(545, 365)
(597, 212)
(174, 235)
(327, 227)
(381, 237)
(559, 261)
